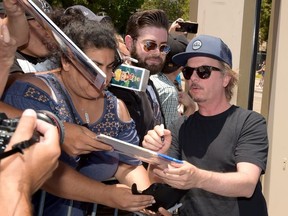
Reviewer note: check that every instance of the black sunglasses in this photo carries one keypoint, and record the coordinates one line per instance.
(151, 45)
(203, 72)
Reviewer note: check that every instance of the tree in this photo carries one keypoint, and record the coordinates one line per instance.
(264, 20)
(118, 10)
(173, 8)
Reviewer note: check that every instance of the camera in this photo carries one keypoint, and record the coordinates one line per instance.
(187, 26)
(9, 125)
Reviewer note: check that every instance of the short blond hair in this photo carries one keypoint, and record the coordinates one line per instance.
(233, 81)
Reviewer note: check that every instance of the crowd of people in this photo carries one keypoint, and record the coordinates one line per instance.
(223, 147)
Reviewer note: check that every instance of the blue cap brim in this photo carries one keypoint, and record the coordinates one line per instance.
(182, 58)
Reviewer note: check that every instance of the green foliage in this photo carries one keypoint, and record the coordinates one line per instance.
(264, 20)
(118, 10)
(173, 8)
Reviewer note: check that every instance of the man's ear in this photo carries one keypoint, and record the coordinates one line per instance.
(129, 42)
(226, 80)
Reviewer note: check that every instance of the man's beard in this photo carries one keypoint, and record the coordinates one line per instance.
(154, 69)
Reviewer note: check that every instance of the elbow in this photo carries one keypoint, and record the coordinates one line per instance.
(249, 191)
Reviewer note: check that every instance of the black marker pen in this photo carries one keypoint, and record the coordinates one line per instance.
(162, 137)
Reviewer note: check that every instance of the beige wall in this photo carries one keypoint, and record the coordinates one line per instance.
(216, 17)
(221, 18)
(276, 178)
(233, 21)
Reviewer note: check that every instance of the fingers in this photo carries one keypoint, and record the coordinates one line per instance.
(180, 20)
(99, 146)
(80, 140)
(25, 128)
(152, 141)
(164, 212)
(94, 144)
(158, 139)
(5, 36)
(12, 7)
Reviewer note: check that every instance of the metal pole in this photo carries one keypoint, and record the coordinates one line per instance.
(254, 56)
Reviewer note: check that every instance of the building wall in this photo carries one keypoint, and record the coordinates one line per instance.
(275, 106)
(215, 17)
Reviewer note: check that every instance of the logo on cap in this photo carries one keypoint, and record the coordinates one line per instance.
(196, 45)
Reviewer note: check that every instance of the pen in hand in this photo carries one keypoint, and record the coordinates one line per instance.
(162, 137)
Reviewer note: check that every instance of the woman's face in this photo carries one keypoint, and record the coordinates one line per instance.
(104, 58)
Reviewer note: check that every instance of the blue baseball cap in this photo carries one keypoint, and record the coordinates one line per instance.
(205, 45)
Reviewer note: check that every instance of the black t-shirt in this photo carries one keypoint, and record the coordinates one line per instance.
(217, 143)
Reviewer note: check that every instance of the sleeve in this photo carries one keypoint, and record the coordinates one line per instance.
(24, 95)
(252, 145)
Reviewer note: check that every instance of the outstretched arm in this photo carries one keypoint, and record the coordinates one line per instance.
(88, 190)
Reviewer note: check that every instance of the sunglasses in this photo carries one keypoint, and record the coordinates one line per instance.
(151, 45)
(203, 72)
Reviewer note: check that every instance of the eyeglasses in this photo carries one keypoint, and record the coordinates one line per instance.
(203, 72)
(151, 45)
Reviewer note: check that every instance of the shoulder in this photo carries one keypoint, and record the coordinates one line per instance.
(158, 78)
(247, 123)
(245, 114)
(162, 83)
(122, 111)
(175, 125)
(29, 78)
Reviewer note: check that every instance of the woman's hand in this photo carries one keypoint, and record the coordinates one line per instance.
(80, 140)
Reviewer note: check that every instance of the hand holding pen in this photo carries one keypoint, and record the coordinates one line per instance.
(158, 139)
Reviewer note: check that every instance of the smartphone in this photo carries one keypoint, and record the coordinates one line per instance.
(190, 27)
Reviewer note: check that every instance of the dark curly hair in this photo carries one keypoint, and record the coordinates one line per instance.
(83, 32)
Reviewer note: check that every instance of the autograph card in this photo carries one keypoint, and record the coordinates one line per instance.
(138, 152)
